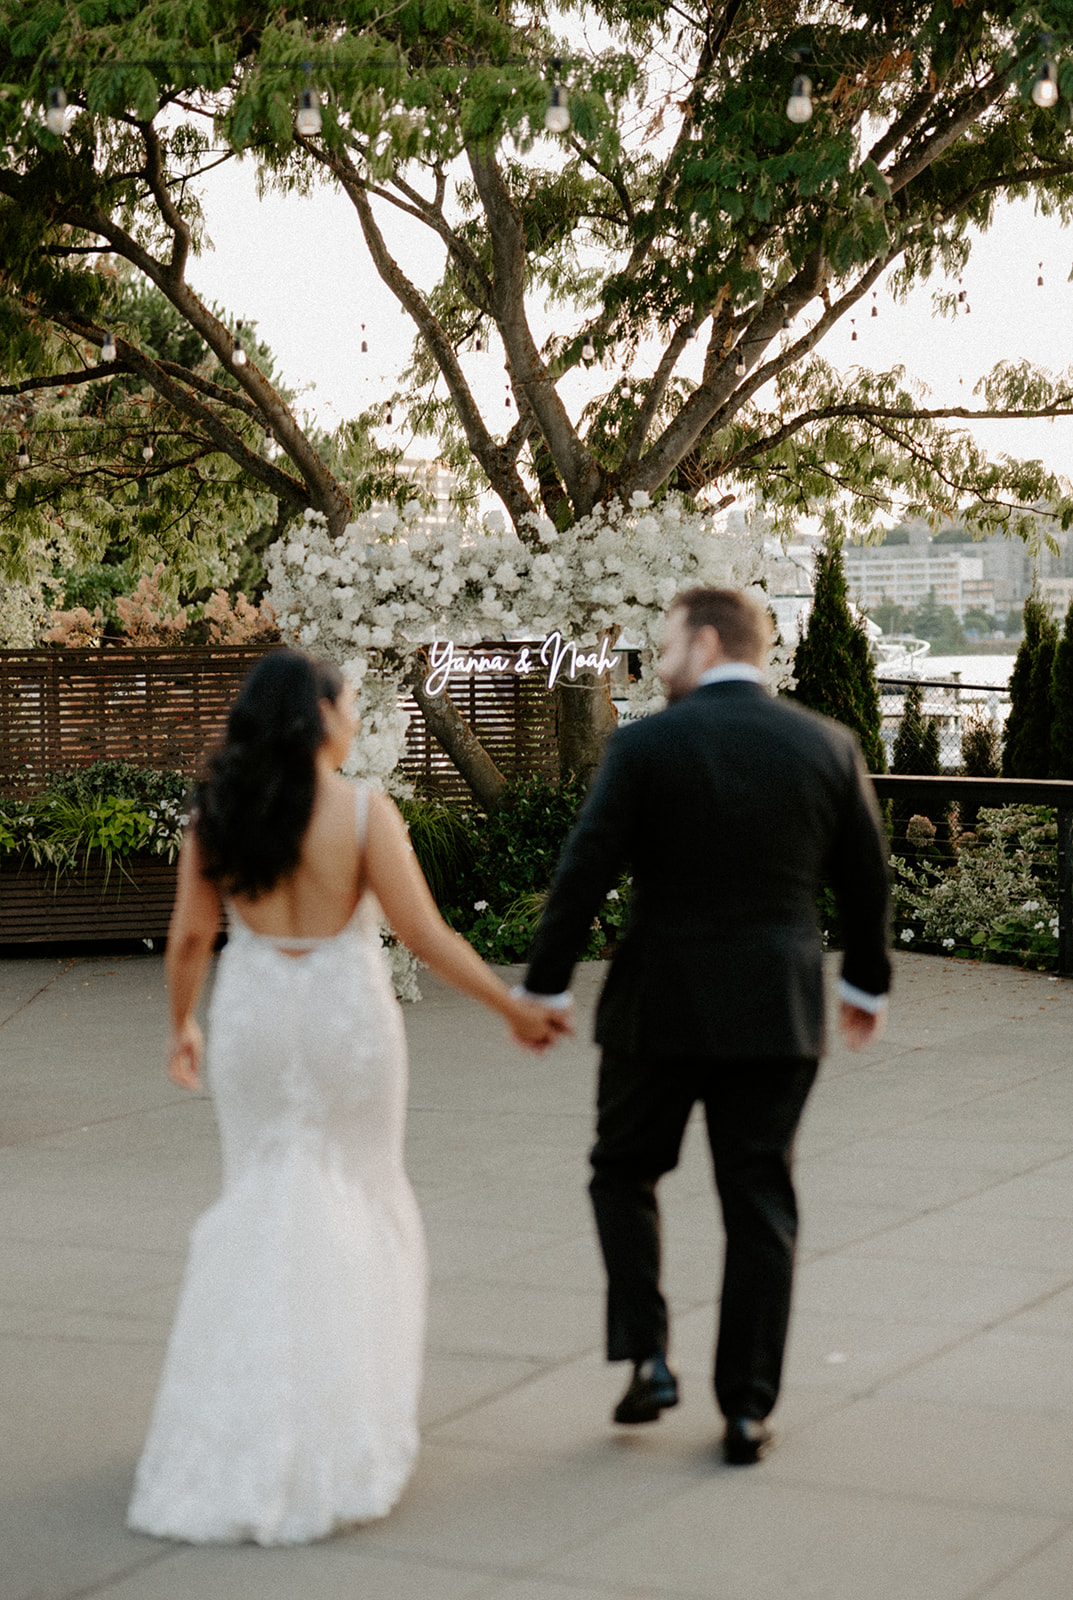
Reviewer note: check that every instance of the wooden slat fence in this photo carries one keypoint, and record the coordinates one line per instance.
(154, 707)
(160, 707)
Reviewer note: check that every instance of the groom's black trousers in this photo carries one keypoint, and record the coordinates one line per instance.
(752, 1107)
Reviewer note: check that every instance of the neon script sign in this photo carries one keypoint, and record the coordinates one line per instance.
(553, 657)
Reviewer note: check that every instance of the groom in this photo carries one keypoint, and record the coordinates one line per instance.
(731, 808)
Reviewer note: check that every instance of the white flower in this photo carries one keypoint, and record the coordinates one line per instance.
(612, 894)
(386, 521)
(907, 935)
(639, 499)
(948, 944)
(480, 905)
(493, 521)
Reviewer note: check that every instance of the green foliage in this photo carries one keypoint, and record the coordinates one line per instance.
(981, 752)
(494, 873)
(444, 843)
(1062, 703)
(833, 664)
(916, 744)
(1026, 744)
(939, 625)
(108, 810)
(994, 898)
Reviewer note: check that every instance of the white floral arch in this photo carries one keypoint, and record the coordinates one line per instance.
(390, 586)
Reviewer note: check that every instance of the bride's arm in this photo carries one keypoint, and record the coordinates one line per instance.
(195, 922)
(396, 879)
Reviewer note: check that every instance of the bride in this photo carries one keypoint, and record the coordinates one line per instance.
(287, 1405)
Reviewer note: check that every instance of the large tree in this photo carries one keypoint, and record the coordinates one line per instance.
(681, 204)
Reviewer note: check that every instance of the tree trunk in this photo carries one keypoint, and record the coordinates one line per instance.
(586, 719)
(447, 724)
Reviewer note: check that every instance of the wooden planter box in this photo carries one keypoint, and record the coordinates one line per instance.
(135, 903)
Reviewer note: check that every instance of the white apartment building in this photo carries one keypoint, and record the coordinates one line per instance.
(906, 574)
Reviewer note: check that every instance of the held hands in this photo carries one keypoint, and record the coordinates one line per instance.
(860, 1027)
(185, 1048)
(535, 1026)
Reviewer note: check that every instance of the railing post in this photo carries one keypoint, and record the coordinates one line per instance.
(1065, 891)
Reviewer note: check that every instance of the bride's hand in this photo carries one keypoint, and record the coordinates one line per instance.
(535, 1026)
(185, 1047)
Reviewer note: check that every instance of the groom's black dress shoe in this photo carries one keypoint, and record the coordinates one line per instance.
(653, 1388)
(745, 1441)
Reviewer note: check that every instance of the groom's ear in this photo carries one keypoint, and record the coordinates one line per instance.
(710, 646)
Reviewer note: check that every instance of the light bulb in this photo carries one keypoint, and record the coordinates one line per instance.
(308, 120)
(56, 115)
(23, 457)
(799, 105)
(785, 318)
(108, 347)
(739, 365)
(388, 417)
(557, 116)
(147, 450)
(1045, 88)
(238, 355)
(588, 351)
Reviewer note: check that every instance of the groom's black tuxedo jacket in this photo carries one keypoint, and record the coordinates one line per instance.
(730, 808)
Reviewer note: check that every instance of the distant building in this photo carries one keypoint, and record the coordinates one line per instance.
(905, 575)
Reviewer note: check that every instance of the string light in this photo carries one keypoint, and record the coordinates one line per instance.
(875, 308)
(147, 449)
(56, 114)
(853, 325)
(108, 345)
(238, 354)
(799, 105)
(739, 365)
(1039, 280)
(23, 457)
(1045, 88)
(588, 350)
(364, 341)
(388, 418)
(557, 115)
(785, 317)
(308, 120)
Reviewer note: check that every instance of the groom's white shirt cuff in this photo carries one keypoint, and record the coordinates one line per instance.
(554, 1002)
(861, 998)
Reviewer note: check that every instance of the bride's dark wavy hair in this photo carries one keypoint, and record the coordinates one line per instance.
(254, 797)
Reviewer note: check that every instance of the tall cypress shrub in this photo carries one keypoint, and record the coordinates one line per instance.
(1026, 744)
(916, 744)
(833, 663)
(1062, 700)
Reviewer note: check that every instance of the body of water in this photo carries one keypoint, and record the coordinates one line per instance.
(992, 671)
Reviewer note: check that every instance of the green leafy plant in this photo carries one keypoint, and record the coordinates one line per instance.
(994, 899)
(108, 810)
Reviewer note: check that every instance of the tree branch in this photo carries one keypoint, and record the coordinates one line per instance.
(528, 372)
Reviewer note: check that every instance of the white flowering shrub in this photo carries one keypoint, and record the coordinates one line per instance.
(996, 899)
(387, 587)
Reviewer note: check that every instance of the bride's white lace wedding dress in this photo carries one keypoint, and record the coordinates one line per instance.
(287, 1405)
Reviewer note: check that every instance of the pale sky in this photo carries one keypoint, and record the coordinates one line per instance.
(299, 268)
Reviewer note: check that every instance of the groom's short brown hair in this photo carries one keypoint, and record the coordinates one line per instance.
(744, 627)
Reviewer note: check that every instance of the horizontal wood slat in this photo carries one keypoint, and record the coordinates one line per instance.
(154, 707)
(512, 716)
(134, 903)
(160, 707)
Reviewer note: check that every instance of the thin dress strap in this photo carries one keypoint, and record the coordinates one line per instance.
(361, 813)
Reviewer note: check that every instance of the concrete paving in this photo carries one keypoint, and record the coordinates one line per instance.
(925, 1432)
